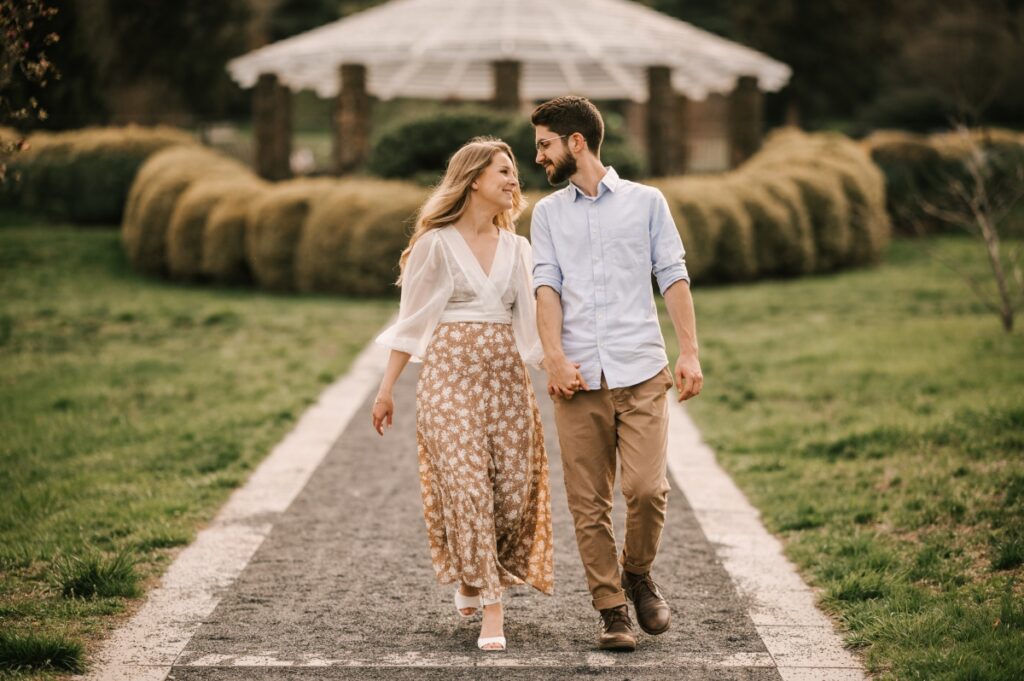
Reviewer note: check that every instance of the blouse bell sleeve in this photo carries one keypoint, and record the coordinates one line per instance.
(524, 308)
(426, 287)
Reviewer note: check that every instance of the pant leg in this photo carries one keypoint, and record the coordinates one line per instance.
(586, 436)
(642, 425)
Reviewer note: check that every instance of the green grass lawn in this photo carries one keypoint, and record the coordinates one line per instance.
(130, 408)
(877, 420)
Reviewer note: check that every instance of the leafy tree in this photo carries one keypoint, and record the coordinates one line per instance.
(291, 17)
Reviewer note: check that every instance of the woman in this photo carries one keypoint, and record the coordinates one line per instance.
(468, 312)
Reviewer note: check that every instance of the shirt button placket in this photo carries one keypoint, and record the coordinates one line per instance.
(599, 278)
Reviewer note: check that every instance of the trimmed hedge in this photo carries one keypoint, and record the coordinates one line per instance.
(154, 196)
(83, 175)
(352, 237)
(805, 203)
(274, 228)
(187, 232)
(224, 259)
(920, 168)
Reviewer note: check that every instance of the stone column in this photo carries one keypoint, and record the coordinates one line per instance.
(272, 128)
(662, 123)
(351, 120)
(682, 160)
(506, 84)
(746, 120)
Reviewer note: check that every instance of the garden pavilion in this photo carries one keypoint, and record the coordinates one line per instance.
(510, 53)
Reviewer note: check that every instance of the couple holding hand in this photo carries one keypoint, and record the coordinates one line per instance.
(478, 303)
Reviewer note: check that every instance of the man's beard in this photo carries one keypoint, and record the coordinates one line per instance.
(562, 170)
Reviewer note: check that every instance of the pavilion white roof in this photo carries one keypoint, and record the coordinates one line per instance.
(441, 49)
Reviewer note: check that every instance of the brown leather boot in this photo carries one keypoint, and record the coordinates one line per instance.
(652, 613)
(616, 630)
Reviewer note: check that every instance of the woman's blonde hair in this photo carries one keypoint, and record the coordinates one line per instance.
(449, 199)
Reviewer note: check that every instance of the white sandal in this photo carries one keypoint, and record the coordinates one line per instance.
(462, 602)
(500, 640)
(490, 640)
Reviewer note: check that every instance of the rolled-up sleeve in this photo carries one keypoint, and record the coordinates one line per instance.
(546, 271)
(667, 252)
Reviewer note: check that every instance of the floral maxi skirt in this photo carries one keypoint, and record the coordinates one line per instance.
(483, 466)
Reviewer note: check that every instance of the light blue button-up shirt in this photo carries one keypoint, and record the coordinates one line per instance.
(598, 253)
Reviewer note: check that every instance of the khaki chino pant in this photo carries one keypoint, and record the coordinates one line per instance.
(592, 426)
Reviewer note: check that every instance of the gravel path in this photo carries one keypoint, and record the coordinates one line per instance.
(342, 588)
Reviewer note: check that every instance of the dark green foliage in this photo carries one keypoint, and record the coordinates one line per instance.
(419, 149)
(96, 575)
(22, 652)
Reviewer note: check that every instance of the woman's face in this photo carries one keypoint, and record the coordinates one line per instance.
(497, 182)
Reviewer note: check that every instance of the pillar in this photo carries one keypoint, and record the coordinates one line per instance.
(351, 120)
(663, 152)
(272, 128)
(682, 133)
(746, 120)
(506, 84)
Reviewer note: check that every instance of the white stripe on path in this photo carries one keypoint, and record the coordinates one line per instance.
(800, 638)
(146, 647)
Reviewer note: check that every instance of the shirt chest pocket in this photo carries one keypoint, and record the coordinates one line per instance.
(628, 242)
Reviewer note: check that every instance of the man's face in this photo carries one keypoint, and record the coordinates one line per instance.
(553, 153)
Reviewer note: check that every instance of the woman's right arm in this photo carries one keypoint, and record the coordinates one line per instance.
(384, 404)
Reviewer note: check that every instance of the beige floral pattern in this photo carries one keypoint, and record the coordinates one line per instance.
(483, 465)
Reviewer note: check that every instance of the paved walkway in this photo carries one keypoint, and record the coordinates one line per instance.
(332, 580)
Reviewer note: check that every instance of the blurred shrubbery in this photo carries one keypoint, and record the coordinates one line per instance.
(921, 169)
(419, 149)
(83, 175)
(804, 204)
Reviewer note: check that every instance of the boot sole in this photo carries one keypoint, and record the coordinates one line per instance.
(624, 645)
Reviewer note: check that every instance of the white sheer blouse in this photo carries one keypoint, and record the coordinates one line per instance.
(444, 282)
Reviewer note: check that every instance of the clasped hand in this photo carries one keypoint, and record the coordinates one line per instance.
(564, 379)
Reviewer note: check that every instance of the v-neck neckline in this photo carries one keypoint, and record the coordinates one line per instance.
(494, 259)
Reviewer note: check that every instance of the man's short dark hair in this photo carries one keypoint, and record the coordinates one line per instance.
(566, 115)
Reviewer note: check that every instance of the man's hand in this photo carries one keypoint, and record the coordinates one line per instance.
(688, 376)
(564, 378)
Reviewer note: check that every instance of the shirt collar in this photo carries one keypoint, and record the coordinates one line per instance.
(610, 182)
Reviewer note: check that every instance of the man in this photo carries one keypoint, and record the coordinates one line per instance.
(595, 245)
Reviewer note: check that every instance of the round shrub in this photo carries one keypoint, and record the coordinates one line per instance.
(913, 172)
(154, 196)
(326, 259)
(223, 252)
(778, 242)
(829, 213)
(731, 239)
(424, 145)
(186, 234)
(378, 239)
(274, 229)
(796, 247)
(694, 220)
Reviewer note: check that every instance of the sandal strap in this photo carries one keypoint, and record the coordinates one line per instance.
(483, 641)
(462, 601)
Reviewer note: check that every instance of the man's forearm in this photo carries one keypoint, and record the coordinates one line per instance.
(549, 322)
(679, 304)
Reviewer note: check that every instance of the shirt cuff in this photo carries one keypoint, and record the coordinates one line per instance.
(670, 276)
(546, 281)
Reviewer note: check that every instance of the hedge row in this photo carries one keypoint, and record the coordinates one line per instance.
(82, 175)
(805, 203)
(920, 170)
(195, 215)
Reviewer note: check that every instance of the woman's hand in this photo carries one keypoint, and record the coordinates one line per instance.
(383, 412)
